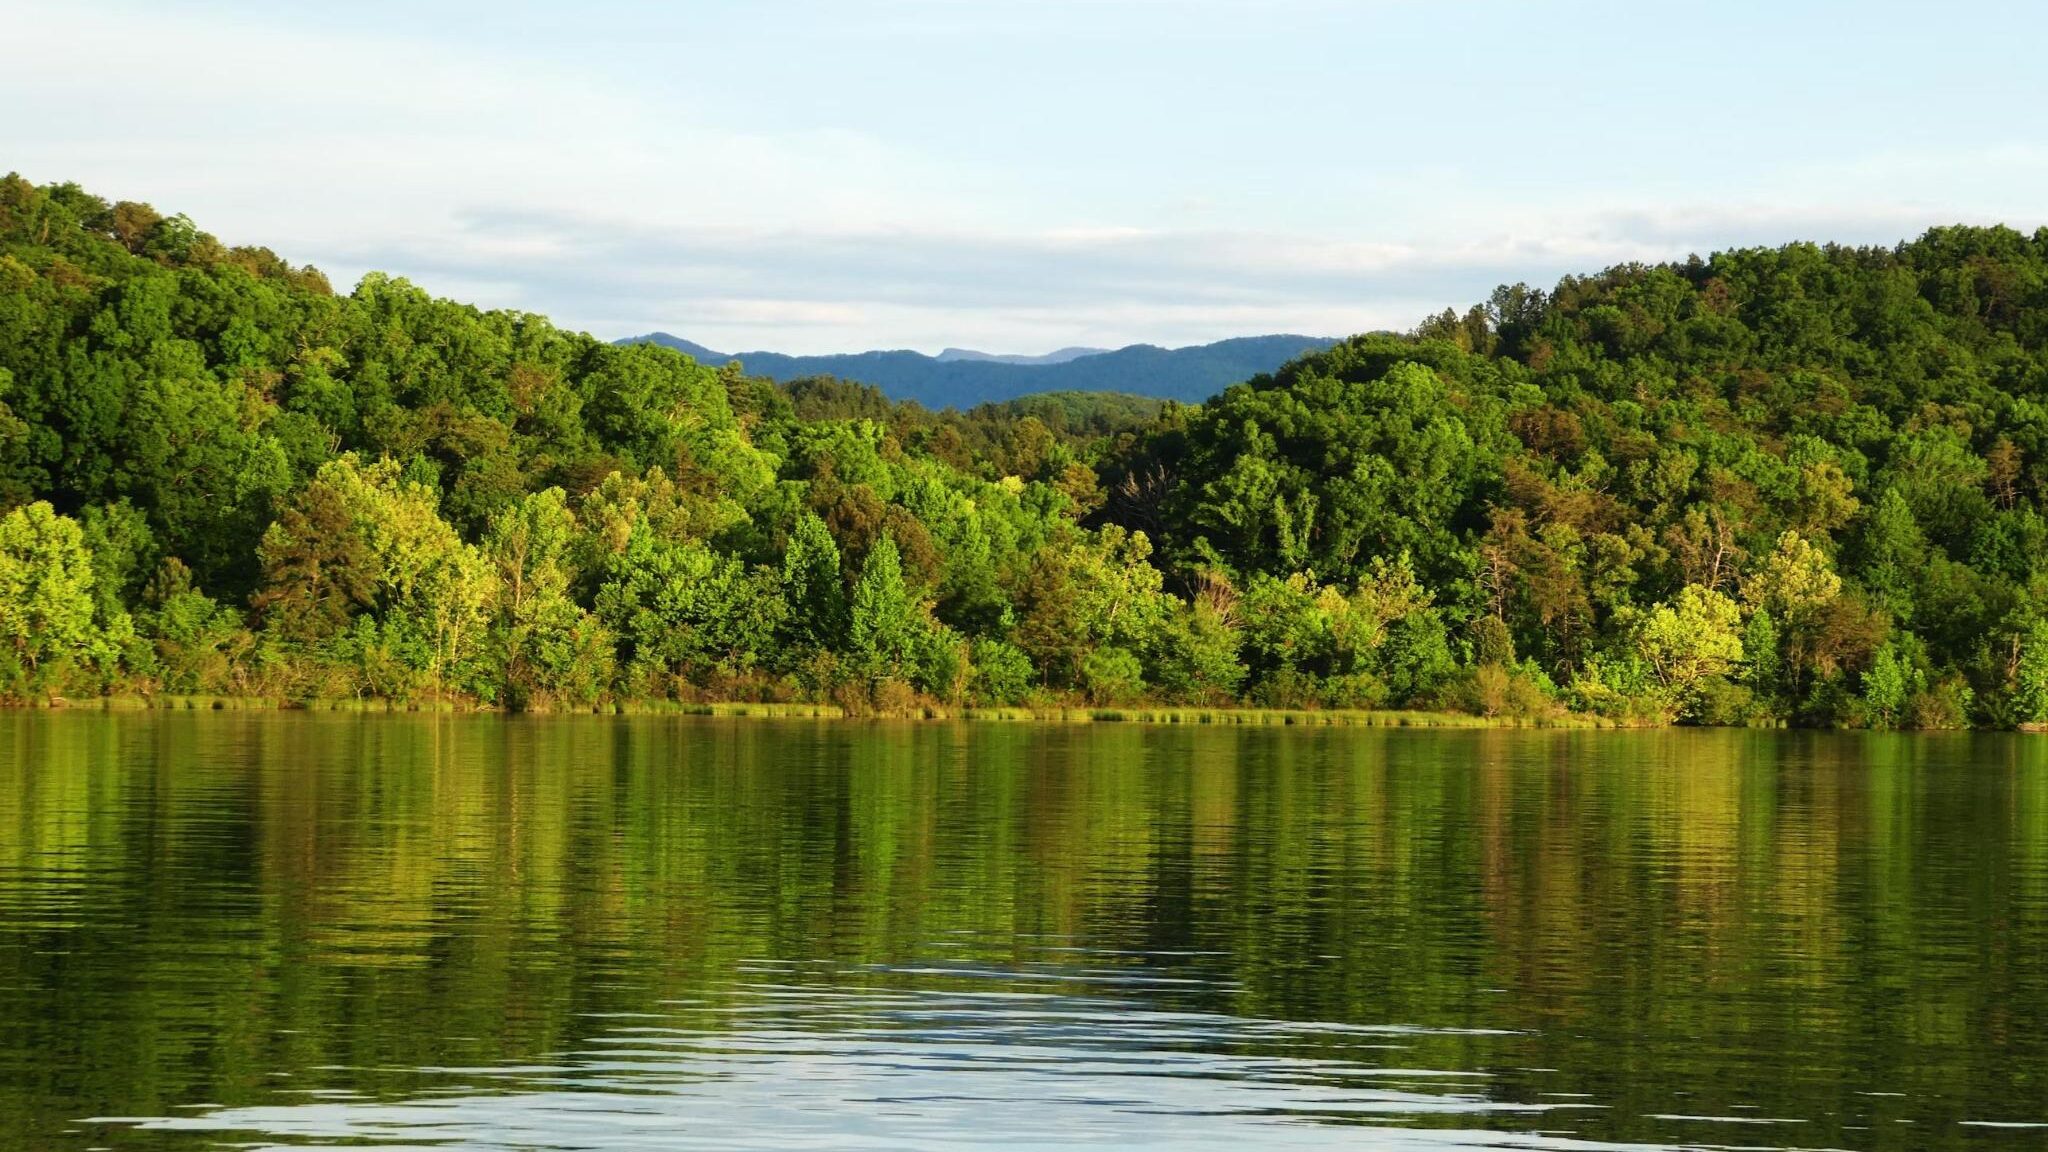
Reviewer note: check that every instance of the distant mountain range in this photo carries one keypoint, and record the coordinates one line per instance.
(961, 378)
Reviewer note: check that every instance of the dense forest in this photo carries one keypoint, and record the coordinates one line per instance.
(1798, 485)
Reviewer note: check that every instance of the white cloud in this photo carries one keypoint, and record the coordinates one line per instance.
(621, 207)
(322, 138)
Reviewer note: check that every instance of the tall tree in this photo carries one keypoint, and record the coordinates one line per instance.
(885, 621)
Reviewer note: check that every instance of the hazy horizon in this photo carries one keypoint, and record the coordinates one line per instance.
(936, 353)
(815, 178)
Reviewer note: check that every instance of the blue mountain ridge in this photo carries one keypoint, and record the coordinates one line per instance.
(962, 379)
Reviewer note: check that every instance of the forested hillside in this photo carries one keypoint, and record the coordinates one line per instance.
(1803, 483)
(1799, 485)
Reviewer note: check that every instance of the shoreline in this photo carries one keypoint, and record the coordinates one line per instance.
(1245, 716)
(1068, 714)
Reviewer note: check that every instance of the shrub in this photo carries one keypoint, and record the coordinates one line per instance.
(1112, 676)
(1001, 674)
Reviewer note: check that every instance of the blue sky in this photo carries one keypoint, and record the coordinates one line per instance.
(810, 176)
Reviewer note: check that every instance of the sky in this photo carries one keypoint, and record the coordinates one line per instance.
(833, 175)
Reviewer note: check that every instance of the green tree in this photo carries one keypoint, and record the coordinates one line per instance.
(364, 537)
(1889, 686)
(813, 586)
(46, 595)
(318, 568)
(549, 646)
(885, 622)
(1198, 659)
(1893, 553)
(1761, 668)
(2030, 674)
(199, 645)
(1695, 638)
(1112, 676)
(1795, 582)
(681, 610)
(1002, 673)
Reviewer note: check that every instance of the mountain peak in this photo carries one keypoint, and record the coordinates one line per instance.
(1061, 356)
(690, 348)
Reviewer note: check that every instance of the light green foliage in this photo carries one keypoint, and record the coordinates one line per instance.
(1796, 582)
(1307, 642)
(2030, 674)
(124, 553)
(1118, 591)
(364, 539)
(529, 545)
(621, 502)
(1894, 553)
(1002, 673)
(548, 645)
(1824, 499)
(1696, 637)
(1416, 660)
(46, 596)
(1084, 593)
(1621, 686)
(1492, 642)
(944, 666)
(1890, 685)
(1198, 654)
(432, 586)
(1822, 630)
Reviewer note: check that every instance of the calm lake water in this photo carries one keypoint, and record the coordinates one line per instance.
(256, 931)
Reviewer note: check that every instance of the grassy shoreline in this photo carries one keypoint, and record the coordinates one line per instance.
(1072, 714)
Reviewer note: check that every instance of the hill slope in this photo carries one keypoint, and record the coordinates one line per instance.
(1189, 375)
(1804, 484)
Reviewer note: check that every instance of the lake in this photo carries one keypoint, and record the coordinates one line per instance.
(283, 930)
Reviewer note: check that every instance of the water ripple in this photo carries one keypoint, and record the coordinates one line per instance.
(782, 1066)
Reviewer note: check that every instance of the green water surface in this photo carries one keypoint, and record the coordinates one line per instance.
(252, 930)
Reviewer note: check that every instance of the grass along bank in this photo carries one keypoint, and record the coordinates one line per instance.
(1252, 717)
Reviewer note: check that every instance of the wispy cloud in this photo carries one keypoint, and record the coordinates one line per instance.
(623, 200)
(855, 288)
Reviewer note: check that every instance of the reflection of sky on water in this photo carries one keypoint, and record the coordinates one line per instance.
(783, 1065)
